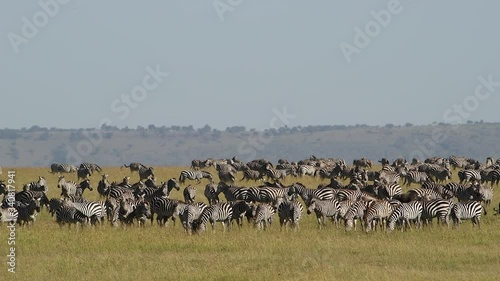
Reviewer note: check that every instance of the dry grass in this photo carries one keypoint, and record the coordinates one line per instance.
(47, 252)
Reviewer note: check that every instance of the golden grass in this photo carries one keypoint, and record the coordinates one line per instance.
(47, 252)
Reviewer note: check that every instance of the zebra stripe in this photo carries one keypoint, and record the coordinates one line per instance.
(289, 212)
(404, 213)
(194, 175)
(469, 210)
(222, 212)
(263, 216)
(466, 176)
(323, 209)
(437, 208)
(189, 194)
(70, 215)
(379, 210)
(191, 213)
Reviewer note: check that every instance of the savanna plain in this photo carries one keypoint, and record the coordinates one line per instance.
(46, 251)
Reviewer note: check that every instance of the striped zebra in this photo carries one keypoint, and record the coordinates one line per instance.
(191, 213)
(289, 212)
(379, 210)
(62, 168)
(40, 185)
(26, 197)
(416, 177)
(71, 188)
(54, 204)
(468, 210)
(194, 175)
(91, 167)
(263, 215)
(189, 194)
(93, 211)
(148, 193)
(355, 212)
(222, 212)
(9, 214)
(437, 208)
(233, 193)
(27, 213)
(458, 162)
(201, 164)
(440, 174)
(211, 194)
(103, 186)
(389, 177)
(276, 175)
(424, 194)
(252, 175)
(83, 173)
(134, 167)
(466, 176)
(492, 176)
(69, 215)
(240, 208)
(146, 173)
(226, 175)
(388, 191)
(306, 170)
(323, 209)
(134, 209)
(404, 213)
(164, 209)
(349, 194)
(270, 194)
(307, 194)
(454, 189)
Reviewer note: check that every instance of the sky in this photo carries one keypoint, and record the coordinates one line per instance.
(258, 64)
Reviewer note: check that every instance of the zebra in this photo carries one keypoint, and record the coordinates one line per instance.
(468, 210)
(440, 174)
(189, 194)
(277, 175)
(148, 193)
(211, 194)
(389, 177)
(91, 167)
(306, 170)
(457, 162)
(83, 173)
(134, 167)
(418, 177)
(62, 168)
(390, 190)
(27, 212)
(103, 186)
(272, 194)
(289, 212)
(71, 188)
(263, 215)
(453, 189)
(134, 209)
(404, 213)
(362, 163)
(308, 194)
(200, 164)
(194, 175)
(379, 210)
(355, 212)
(191, 213)
(26, 197)
(439, 208)
(222, 212)
(426, 194)
(252, 175)
(9, 214)
(226, 175)
(145, 173)
(233, 193)
(466, 176)
(492, 176)
(54, 204)
(324, 208)
(349, 194)
(69, 214)
(93, 211)
(240, 208)
(40, 185)
(164, 209)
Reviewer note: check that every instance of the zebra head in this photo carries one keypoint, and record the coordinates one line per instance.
(172, 183)
(311, 207)
(86, 184)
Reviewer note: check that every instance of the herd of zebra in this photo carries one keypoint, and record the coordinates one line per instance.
(375, 198)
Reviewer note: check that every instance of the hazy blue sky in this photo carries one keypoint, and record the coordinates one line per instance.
(233, 66)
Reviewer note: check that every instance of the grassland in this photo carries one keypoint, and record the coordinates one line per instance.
(45, 251)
